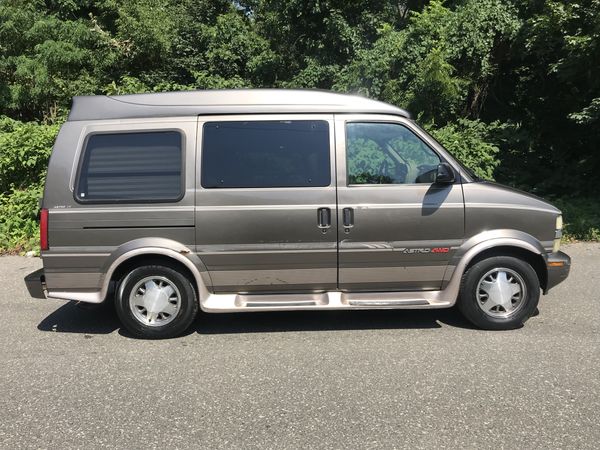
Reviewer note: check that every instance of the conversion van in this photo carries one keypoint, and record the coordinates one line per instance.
(269, 200)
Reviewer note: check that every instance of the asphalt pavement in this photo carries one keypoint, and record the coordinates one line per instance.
(71, 378)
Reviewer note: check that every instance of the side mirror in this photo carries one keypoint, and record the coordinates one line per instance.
(444, 174)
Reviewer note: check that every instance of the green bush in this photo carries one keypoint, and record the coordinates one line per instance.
(24, 152)
(581, 217)
(18, 220)
(468, 141)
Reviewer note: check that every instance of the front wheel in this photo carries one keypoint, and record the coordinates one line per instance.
(156, 302)
(499, 293)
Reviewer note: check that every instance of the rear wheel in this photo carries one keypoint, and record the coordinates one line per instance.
(156, 302)
(499, 293)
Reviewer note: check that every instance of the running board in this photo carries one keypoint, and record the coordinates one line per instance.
(387, 302)
(323, 301)
(258, 304)
(277, 301)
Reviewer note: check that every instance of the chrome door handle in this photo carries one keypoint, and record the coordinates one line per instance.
(324, 218)
(348, 217)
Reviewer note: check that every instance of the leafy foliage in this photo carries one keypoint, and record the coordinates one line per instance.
(24, 152)
(469, 142)
(510, 87)
(18, 220)
(435, 92)
(581, 218)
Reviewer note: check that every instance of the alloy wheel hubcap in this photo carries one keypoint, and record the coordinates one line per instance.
(501, 292)
(155, 301)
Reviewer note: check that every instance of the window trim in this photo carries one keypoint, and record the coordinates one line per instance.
(389, 185)
(83, 154)
(267, 118)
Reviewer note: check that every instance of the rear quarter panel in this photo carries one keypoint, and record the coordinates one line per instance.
(83, 236)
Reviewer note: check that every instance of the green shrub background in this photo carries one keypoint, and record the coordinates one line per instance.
(24, 151)
(511, 88)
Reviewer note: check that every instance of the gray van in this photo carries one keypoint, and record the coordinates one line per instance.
(269, 200)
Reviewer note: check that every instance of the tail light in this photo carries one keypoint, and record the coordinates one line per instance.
(44, 229)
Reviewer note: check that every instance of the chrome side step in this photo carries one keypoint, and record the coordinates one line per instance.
(388, 302)
(280, 301)
(323, 301)
(276, 304)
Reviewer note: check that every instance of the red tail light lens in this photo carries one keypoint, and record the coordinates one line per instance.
(44, 229)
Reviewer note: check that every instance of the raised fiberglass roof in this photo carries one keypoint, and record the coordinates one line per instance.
(236, 101)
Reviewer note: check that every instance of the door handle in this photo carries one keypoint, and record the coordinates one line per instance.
(348, 217)
(324, 218)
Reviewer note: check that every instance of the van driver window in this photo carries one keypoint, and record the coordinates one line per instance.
(387, 153)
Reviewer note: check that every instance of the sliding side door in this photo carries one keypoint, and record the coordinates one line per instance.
(266, 202)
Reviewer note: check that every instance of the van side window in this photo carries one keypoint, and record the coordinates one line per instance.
(387, 153)
(265, 154)
(130, 167)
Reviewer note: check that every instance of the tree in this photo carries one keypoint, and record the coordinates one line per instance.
(512, 87)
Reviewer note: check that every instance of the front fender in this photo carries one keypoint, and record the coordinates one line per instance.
(498, 238)
(483, 241)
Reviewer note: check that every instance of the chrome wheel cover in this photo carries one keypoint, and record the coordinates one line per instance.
(501, 293)
(155, 301)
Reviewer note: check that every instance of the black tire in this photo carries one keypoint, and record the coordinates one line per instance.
(186, 312)
(468, 302)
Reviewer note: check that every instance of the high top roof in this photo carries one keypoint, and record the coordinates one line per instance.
(238, 101)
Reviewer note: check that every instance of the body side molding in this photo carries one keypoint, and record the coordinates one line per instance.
(210, 302)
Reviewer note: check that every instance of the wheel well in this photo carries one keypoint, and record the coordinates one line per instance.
(151, 259)
(534, 260)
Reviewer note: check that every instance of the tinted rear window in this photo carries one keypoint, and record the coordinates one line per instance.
(263, 154)
(132, 167)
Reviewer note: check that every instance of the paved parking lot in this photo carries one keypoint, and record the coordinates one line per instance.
(71, 378)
